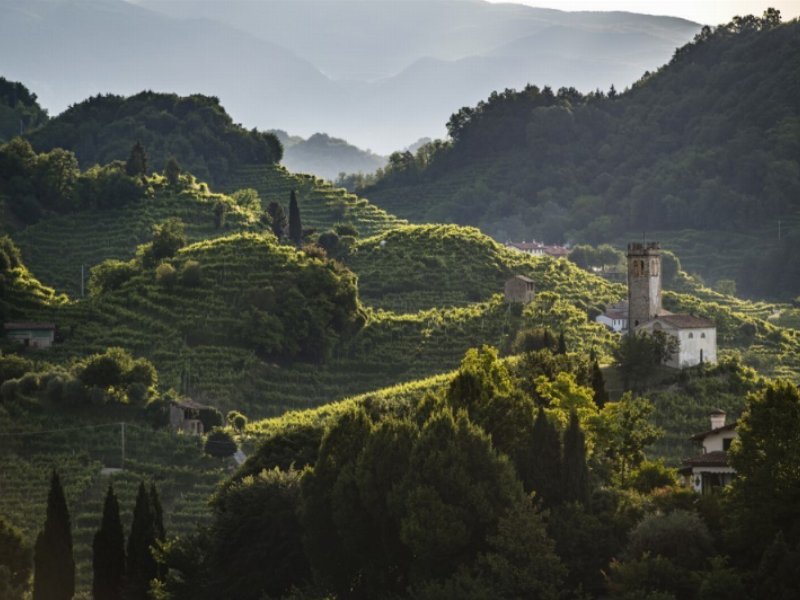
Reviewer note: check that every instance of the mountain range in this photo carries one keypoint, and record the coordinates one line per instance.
(380, 75)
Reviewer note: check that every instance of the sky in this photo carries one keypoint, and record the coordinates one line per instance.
(707, 12)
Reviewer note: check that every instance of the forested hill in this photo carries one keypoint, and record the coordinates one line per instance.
(19, 109)
(195, 129)
(707, 142)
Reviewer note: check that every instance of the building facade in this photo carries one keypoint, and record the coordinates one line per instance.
(31, 335)
(710, 471)
(519, 289)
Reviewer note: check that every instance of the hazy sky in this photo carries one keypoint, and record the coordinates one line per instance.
(710, 12)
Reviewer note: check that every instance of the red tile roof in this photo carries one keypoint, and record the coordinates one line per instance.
(718, 458)
(683, 321)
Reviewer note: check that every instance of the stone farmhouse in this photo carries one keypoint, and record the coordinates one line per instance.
(31, 335)
(519, 289)
(710, 471)
(184, 415)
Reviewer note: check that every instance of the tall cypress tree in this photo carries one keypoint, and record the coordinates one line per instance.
(598, 386)
(562, 344)
(54, 566)
(140, 565)
(136, 164)
(108, 552)
(574, 472)
(543, 462)
(295, 226)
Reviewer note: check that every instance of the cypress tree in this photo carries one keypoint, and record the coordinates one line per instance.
(136, 164)
(541, 471)
(158, 522)
(172, 171)
(108, 552)
(54, 566)
(295, 226)
(549, 342)
(278, 218)
(562, 344)
(574, 472)
(140, 565)
(599, 386)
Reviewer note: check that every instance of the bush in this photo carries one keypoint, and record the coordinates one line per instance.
(191, 273)
(29, 384)
(110, 275)
(166, 275)
(667, 536)
(237, 420)
(220, 444)
(652, 475)
(210, 417)
(9, 390)
(54, 389)
(346, 229)
(107, 369)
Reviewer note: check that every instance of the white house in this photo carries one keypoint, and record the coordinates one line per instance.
(615, 317)
(697, 338)
(535, 248)
(31, 335)
(710, 471)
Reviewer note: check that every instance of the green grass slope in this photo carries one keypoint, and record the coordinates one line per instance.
(321, 204)
(54, 249)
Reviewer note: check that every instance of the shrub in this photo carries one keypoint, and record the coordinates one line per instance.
(29, 383)
(191, 273)
(314, 251)
(220, 444)
(107, 369)
(667, 535)
(346, 229)
(237, 420)
(652, 475)
(329, 241)
(9, 389)
(210, 417)
(166, 275)
(54, 390)
(110, 275)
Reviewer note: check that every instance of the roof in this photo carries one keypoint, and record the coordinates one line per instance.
(684, 321)
(188, 403)
(526, 245)
(23, 326)
(701, 436)
(556, 250)
(718, 458)
(523, 278)
(617, 313)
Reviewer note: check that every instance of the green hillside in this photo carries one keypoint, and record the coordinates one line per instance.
(322, 205)
(195, 129)
(55, 248)
(705, 146)
(19, 110)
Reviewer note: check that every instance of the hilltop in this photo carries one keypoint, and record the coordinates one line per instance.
(196, 130)
(326, 156)
(701, 148)
(19, 109)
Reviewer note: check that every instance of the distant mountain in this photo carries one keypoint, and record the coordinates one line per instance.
(708, 145)
(380, 74)
(326, 156)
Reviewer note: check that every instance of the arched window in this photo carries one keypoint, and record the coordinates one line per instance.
(703, 335)
(691, 335)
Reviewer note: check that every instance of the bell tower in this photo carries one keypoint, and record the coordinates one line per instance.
(644, 282)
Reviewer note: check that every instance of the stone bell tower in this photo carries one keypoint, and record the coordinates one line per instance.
(644, 282)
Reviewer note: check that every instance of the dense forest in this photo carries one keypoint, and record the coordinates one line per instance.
(196, 130)
(705, 143)
(19, 110)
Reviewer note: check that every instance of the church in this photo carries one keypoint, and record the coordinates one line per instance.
(696, 336)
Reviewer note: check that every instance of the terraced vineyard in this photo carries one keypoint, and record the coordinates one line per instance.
(55, 249)
(79, 449)
(321, 204)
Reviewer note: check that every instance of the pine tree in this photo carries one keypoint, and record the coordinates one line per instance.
(108, 552)
(140, 565)
(54, 566)
(137, 161)
(278, 219)
(562, 344)
(599, 386)
(295, 226)
(541, 470)
(574, 472)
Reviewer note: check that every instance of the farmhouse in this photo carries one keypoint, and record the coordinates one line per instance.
(519, 289)
(184, 415)
(32, 335)
(535, 248)
(696, 337)
(711, 471)
(615, 317)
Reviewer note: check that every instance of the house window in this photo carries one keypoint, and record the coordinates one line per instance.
(726, 444)
(703, 335)
(691, 335)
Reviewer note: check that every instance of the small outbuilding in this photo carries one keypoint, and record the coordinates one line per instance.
(184, 415)
(31, 335)
(615, 317)
(519, 289)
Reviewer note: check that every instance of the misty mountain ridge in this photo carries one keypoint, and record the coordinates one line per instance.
(379, 75)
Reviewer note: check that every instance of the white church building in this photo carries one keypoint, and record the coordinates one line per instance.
(696, 336)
